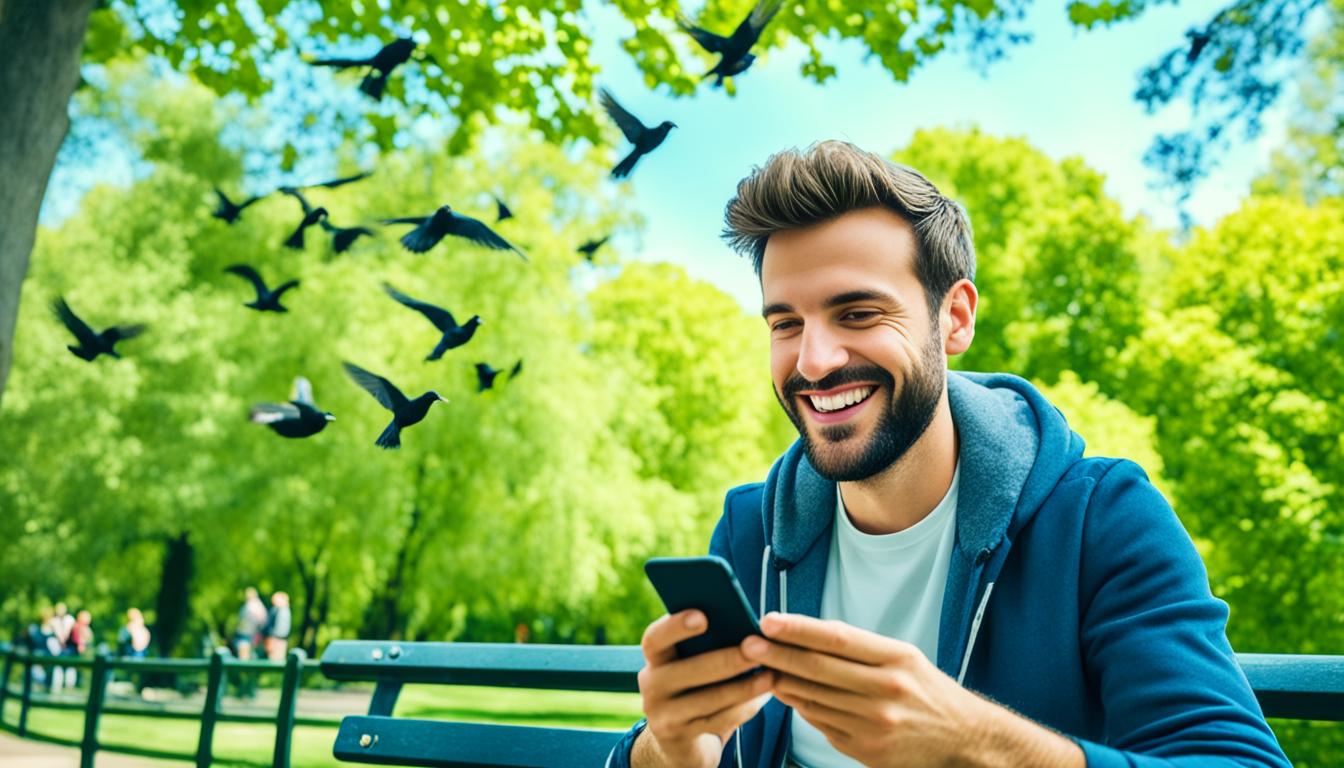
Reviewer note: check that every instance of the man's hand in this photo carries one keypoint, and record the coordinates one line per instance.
(692, 705)
(882, 702)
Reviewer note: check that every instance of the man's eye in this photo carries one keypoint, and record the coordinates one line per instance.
(784, 325)
(859, 314)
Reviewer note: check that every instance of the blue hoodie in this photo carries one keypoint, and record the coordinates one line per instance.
(1074, 596)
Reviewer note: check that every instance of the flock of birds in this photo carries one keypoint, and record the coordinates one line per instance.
(300, 417)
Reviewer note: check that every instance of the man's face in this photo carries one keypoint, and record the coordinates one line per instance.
(857, 363)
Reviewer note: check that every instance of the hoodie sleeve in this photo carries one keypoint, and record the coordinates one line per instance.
(1154, 640)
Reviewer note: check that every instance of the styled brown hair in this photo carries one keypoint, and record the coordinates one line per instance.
(796, 189)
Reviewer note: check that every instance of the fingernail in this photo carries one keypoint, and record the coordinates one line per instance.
(754, 646)
(695, 620)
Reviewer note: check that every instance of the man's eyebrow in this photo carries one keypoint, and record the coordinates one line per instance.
(775, 309)
(851, 297)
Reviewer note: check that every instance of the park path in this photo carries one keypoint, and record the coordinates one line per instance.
(25, 753)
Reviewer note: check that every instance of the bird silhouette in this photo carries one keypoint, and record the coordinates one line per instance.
(229, 211)
(267, 300)
(380, 65)
(503, 211)
(589, 248)
(92, 344)
(405, 412)
(454, 335)
(300, 417)
(485, 376)
(517, 369)
(334, 183)
(445, 221)
(311, 216)
(644, 138)
(734, 51)
(343, 237)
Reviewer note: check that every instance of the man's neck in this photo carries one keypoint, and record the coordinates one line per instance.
(907, 491)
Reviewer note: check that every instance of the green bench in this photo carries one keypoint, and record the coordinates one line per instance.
(1288, 686)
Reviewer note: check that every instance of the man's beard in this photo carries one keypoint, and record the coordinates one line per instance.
(898, 427)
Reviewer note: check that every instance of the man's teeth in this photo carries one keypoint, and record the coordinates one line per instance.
(842, 400)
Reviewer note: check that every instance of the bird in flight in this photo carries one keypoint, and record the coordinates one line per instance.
(445, 221)
(405, 412)
(267, 300)
(229, 211)
(485, 376)
(644, 138)
(311, 216)
(92, 344)
(591, 246)
(380, 65)
(300, 417)
(454, 335)
(735, 50)
(503, 211)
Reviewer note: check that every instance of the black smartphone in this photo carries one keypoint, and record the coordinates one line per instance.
(705, 583)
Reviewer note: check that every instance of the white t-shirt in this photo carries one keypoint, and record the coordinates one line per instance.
(891, 584)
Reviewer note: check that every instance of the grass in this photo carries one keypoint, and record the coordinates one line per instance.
(247, 744)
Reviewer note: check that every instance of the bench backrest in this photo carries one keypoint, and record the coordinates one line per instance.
(1297, 687)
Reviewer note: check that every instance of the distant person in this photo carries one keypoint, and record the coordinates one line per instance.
(252, 618)
(133, 639)
(521, 633)
(81, 635)
(278, 624)
(58, 635)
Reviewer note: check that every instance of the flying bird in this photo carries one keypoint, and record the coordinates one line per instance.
(405, 412)
(644, 138)
(445, 221)
(229, 211)
(343, 237)
(311, 216)
(503, 211)
(590, 247)
(734, 51)
(485, 376)
(380, 65)
(334, 183)
(267, 300)
(454, 335)
(300, 417)
(517, 369)
(93, 344)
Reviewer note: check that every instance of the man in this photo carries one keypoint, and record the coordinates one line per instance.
(278, 623)
(942, 578)
(251, 618)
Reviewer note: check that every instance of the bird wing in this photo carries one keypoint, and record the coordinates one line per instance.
(297, 195)
(502, 210)
(440, 317)
(334, 183)
(270, 413)
(478, 232)
(224, 202)
(628, 123)
(417, 220)
(303, 391)
(761, 15)
(118, 332)
(242, 270)
(281, 288)
(384, 391)
(343, 63)
(81, 329)
(707, 40)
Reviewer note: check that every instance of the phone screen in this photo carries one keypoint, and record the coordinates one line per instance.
(705, 583)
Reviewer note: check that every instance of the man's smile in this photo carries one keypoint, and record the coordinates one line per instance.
(839, 404)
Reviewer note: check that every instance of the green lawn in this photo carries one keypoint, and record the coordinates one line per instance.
(242, 744)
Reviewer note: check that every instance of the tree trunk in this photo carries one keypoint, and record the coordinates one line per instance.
(173, 601)
(384, 618)
(40, 47)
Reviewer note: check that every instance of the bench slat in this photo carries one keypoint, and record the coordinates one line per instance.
(1299, 687)
(567, 667)
(400, 741)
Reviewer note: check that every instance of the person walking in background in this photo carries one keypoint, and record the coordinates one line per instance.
(57, 637)
(133, 639)
(252, 619)
(278, 623)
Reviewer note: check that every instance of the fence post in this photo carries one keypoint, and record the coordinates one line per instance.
(4, 678)
(27, 693)
(214, 691)
(93, 709)
(284, 717)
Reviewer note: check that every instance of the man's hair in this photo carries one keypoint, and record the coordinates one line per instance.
(796, 189)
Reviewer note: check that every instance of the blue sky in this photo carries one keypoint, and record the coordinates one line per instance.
(1068, 92)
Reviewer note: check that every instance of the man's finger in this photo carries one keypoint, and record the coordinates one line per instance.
(813, 665)
(702, 703)
(808, 690)
(704, 669)
(836, 725)
(660, 639)
(725, 720)
(835, 638)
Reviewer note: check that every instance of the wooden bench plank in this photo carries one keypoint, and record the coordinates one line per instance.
(437, 744)
(565, 667)
(1299, 687)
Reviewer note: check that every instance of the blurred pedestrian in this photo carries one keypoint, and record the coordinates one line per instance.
(133, 639)
(252, 618)
(58, 637)
(278, 624)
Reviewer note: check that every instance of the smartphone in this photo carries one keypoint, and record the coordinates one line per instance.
(705, 583)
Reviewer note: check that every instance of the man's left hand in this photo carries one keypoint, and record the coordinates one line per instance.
(882, 702)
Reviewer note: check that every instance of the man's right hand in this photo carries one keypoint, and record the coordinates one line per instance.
(692, 705)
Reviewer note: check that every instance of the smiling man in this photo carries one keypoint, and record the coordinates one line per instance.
(943, 578)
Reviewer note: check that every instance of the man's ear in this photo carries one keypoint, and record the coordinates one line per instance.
(957, 319)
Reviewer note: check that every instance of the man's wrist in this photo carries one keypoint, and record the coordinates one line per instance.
(1005, 739)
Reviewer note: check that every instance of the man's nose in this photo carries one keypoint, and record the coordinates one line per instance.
(820, 353)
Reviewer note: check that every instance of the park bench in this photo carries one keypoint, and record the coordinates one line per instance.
(1288, 686)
